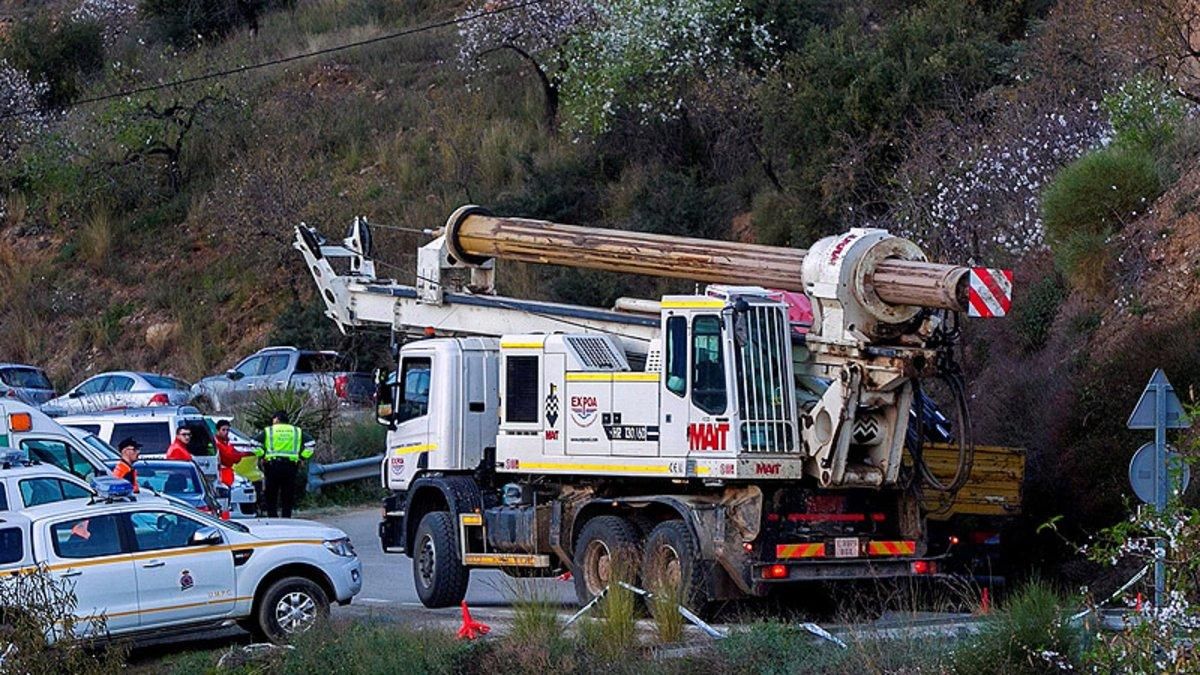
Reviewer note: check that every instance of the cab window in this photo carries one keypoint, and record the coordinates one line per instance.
(86, 537)
(12, 545)
(36, 491)
(59, 454)
(3, 498)
(276, 364)
(677, 355)
(118, 383)
(251, 367)
(414, 387)
(157, 530)
(708, 365)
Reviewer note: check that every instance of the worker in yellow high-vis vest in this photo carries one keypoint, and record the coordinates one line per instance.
(281, 446)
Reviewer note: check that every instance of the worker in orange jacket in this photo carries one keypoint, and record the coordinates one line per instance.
(227, 454)
(178, 449)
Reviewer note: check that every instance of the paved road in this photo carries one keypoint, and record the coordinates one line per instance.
(388, 581)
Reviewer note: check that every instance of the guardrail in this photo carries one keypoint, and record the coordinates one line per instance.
(320, 475)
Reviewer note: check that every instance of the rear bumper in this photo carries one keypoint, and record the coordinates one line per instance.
(879, 568)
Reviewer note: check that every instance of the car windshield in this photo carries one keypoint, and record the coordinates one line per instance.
(26, 378)
(180, 481)
(164, 382)
(106, 451)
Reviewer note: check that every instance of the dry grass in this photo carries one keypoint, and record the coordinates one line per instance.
(16, 208)
(97, 239)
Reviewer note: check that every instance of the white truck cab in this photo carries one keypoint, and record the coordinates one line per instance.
(149, 565)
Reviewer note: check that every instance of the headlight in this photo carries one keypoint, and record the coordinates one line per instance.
(341, 547)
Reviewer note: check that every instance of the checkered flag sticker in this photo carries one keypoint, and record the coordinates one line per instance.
(552, 405)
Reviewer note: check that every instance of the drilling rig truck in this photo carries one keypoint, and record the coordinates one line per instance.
(708, 443)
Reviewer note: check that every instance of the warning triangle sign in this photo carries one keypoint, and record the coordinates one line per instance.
(1145, 415)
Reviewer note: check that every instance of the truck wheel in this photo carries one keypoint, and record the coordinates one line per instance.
(439, 574)
(289, 607)
(607, 551)
(671, 563)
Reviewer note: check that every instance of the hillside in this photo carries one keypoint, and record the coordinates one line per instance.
(153, 230)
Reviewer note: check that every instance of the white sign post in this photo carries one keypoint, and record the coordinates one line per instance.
(1159, 409)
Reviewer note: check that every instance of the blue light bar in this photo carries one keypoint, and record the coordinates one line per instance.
(107, 487)
(10, 457)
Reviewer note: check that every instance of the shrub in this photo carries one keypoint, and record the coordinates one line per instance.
(1100, 192)
(183, 23)
(1034, 315)
(1143, 112)
(58, 53)
(357, 437)
(771, 647)
(1020, 636)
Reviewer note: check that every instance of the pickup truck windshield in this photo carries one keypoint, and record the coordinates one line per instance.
(27, 378)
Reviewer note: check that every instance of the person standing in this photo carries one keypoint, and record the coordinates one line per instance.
(227, 455)
(282, 449)
(178, 450)
(129, 449)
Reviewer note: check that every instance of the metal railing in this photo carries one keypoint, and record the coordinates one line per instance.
(320, 475)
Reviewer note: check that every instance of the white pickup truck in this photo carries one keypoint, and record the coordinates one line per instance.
(147, 565)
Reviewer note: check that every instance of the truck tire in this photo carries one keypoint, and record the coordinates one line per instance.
(607, 546)
(289, 607)
(671, 563)
(438, 572)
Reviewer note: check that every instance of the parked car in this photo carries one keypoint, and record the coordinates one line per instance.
(25, 483)
(27, 384)
(152, 566)
(325, 375)
(122, 389)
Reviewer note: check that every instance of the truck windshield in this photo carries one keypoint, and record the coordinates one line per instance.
(764, 390)
(26, 378)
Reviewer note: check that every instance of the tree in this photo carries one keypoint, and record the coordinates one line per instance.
(643, 57)
(21, 115)
(57, 53)
(537, 34)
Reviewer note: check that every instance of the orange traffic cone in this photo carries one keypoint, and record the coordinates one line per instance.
(985, 601)
(1138, 606)
(471, 628)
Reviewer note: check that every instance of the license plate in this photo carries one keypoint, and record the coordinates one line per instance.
(845, 547)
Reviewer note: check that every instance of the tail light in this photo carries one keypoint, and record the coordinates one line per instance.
(159, 399)
(775, 572)
(341, 385)
(225, 514)
(924, 567)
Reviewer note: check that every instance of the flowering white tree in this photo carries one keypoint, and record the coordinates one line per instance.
(643, 56)
(21, 115)
(975, 189)
(536, 33)
(114, 16)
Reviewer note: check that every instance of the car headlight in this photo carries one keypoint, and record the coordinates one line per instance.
(341, 547)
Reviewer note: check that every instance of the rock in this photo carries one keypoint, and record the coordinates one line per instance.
(159, 335)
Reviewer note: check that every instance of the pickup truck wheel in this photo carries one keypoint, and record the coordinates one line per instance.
(290, 607)
(671, 564)
(440, 577)
(607, 551)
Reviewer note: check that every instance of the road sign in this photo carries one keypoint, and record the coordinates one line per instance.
(1145, 414)
(1141, 472)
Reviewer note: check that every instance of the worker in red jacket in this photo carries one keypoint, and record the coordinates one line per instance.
(226, 453)
(178, 448)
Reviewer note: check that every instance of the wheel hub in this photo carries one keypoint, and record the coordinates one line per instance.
(295, 612)
(597, 567)
(426, 562)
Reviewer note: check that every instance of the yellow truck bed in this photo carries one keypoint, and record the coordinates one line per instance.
(994, 488)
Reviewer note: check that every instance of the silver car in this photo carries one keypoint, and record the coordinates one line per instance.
(27, 384)
(121, 389)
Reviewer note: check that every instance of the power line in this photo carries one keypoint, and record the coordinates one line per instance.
(285, 59)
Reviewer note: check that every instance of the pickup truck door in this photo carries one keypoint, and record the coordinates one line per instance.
(86, 553)
(178, 582)
(275, 372)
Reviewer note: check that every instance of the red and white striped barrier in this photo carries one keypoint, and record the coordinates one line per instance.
(990, 292)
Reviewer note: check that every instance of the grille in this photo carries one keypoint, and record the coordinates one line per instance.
(596, 353)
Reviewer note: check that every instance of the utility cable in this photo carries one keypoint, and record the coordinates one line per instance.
(281, 60)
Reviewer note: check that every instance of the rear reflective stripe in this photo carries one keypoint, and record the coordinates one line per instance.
(784, 551)
(891, 547)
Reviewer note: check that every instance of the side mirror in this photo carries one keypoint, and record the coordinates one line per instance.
(233, 375)
(205, 536)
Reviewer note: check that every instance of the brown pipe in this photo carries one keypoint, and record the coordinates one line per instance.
(473, 235)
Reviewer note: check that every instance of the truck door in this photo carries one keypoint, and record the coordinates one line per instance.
(87, 553)
(708, 418)
(675, 408)
(409, 443)
(177, 581)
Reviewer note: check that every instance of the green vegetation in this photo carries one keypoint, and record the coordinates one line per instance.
(1033, 314)
(1028, 634)
(62, 54)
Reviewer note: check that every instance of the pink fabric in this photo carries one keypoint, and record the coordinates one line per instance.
(800, 313)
